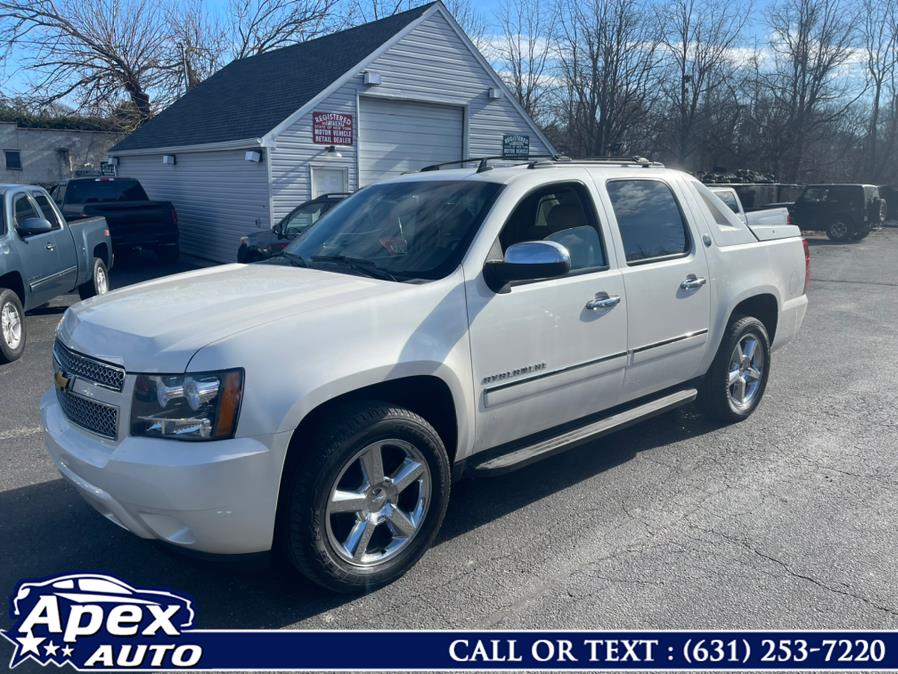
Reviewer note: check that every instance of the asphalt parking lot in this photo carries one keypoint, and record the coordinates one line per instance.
(785, 521)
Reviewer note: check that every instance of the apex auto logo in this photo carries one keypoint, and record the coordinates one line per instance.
(94, 621)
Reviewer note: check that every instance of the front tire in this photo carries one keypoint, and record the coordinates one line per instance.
(736, 381)
(367, 497)
(12, 326)
(99, 281)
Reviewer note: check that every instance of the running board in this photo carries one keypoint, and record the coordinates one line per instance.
(518, 456)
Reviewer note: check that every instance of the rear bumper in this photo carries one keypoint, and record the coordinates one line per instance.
(216, 497)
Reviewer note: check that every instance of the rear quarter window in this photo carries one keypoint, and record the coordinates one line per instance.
(648, 215)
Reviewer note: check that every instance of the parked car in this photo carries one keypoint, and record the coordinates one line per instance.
(844, 212)
(134, 220)
(767, 217)
(262, 245)
(435, 324)
(42, 256)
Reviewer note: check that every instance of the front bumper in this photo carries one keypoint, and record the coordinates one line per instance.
(216, 497)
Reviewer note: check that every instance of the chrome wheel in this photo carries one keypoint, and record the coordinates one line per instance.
(11, 325)
(746, 371)
(378, 502)
(101, 280)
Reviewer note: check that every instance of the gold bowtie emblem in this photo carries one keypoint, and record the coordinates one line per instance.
(61, 381)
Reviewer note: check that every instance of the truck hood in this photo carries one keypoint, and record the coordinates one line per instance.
(158, 326)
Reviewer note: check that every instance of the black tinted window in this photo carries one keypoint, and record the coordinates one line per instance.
(649, 218)
(44, 204)
(23, 209)
(92, 191)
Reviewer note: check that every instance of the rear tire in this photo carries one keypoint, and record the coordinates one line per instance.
(733, 386)
(12, 327)
(838, 230)
(99, 281)
(374, 538)
(169, 254)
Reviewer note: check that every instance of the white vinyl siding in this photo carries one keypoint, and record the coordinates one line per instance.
(219, 197)
(401, 136)
(430, 64)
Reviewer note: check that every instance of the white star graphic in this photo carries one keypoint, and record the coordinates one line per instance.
(30, 644)
(51, 648)
(67, 651)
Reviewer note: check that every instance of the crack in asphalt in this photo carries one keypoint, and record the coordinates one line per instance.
(796, 574)
(860, 283)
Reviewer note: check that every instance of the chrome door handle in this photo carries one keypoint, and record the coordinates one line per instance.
(603, 301)
(692, 282)
(50, 246)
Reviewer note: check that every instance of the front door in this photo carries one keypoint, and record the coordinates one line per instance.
(666, 284)
(38, 254)
(541, 357)
(66, 256)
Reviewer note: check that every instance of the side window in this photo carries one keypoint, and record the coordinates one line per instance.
(47, 209)
(561, 213)
(649, 217)
(23, 209)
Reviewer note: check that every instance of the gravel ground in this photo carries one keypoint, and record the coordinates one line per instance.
(785, 521)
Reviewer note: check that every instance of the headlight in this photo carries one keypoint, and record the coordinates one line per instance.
(195, 406)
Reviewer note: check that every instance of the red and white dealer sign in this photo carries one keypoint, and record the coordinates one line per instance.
(331, 128)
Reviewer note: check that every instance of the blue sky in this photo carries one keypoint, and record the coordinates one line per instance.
(12, 78)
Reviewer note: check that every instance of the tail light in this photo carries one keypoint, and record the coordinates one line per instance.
(807, 265)
(106, 232)
(174, 216)
(789, 220)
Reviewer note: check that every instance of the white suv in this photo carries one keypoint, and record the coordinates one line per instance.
(443, 322)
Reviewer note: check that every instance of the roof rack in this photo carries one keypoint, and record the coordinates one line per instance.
(601, 161)
(483, 164)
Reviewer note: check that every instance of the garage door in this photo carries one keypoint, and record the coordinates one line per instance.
(400, 136)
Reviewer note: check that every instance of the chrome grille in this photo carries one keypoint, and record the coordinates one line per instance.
(96, 417)
(101, 373)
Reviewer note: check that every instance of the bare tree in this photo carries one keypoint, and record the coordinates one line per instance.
(464, 12)
(523, 49)
(607, 53)
(258, 26)
(200, 45)
(812, 42)
(101, 53)
(698, 37)
(880, 36)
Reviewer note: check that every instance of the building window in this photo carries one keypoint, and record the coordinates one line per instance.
(13, 160)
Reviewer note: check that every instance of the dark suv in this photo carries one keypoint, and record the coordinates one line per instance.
(844, 212)
(262, 245)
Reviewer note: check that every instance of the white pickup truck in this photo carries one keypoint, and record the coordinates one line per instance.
(761, 218)
(445, 322)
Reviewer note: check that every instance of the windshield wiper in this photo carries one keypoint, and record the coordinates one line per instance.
(295, 260)
(358, 264)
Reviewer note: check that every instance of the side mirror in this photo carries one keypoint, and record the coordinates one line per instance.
(34, 226)
(527, 261)
(278, 232)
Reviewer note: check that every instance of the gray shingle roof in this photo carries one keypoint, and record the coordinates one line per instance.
(249, 97)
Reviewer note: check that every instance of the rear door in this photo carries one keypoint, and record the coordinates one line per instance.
(665, 277)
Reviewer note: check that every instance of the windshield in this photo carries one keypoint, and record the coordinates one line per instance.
(303, 217)
(409, 230)
(85, 192)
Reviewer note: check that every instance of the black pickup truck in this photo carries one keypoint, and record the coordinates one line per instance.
(134, 221)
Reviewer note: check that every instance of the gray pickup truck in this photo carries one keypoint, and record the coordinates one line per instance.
(42, 256)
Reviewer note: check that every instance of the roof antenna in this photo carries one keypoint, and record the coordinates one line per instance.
(483, 166)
